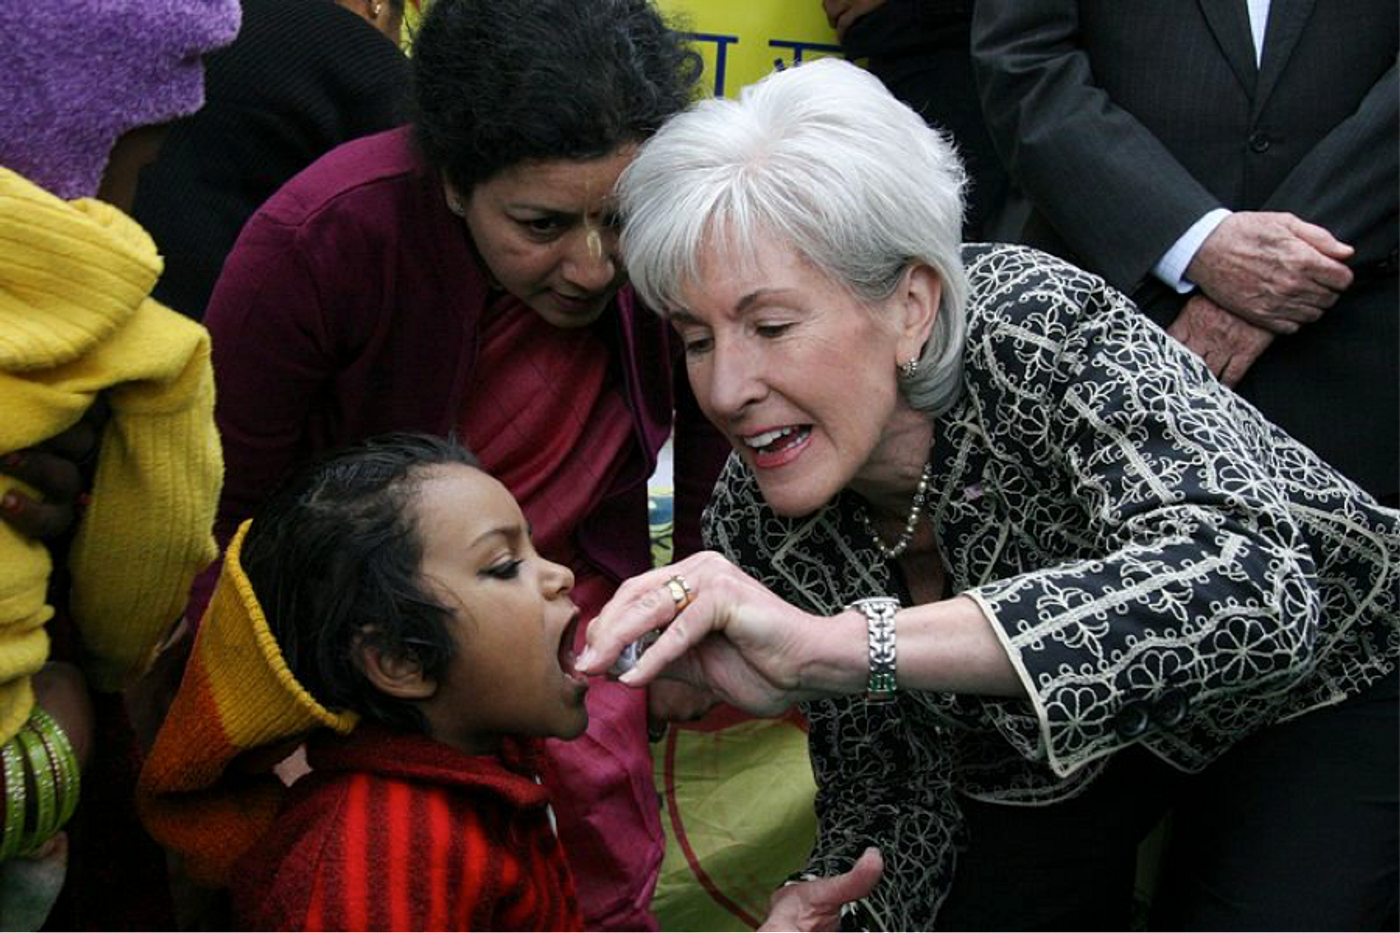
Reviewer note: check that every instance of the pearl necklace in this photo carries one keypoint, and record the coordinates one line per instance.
(910, 524)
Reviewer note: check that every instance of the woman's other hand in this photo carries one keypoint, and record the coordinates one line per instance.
(671, 701)
(60, 470)
(816, 905)
(732, 636)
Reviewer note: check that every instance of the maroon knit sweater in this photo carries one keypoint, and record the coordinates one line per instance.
(397, 832)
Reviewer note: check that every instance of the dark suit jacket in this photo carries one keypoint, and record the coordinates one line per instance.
(302, 77)
(1124, 121)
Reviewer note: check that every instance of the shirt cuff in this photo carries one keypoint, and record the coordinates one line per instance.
(1171, 268)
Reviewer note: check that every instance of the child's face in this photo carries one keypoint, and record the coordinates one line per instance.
(513, 669)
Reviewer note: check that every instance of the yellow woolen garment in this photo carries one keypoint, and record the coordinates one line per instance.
(76, 320)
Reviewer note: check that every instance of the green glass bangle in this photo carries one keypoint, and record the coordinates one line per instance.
(55, 769)
(60, 751)
(14, 800)
(46, 791)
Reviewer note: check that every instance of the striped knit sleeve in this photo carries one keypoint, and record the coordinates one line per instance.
(410, 857)
(542, 896)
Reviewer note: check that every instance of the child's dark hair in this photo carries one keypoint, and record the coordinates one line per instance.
(501, 83)
(333, 557)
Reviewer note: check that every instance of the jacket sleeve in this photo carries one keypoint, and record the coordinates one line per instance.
(148, 530)
(1335, 184)
(274, 355)
(894, 793)
(1108, 186)
(1200, 589)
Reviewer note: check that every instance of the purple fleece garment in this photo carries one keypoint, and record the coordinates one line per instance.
(77, 74)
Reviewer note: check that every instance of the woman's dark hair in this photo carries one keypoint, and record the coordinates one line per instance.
(499, 82)
(333, 556)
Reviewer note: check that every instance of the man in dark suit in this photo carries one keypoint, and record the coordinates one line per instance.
(1232, 165)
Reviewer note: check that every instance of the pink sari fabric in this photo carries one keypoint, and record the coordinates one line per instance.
(550, 423)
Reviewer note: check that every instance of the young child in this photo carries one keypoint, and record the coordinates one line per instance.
(392, 594)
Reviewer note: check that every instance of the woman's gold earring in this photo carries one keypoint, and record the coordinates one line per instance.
(375, 10)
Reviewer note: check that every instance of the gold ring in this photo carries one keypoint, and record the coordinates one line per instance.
(681, 593)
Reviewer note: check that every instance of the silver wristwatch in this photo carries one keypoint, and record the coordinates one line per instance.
(879, 626)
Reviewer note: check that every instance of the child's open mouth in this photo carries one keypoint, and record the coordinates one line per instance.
(566, 651)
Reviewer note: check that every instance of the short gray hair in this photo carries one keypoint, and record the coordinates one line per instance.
(822, 157)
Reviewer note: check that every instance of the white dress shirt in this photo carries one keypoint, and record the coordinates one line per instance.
(1171, 268)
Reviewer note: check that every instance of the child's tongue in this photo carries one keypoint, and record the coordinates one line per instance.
(566, 648)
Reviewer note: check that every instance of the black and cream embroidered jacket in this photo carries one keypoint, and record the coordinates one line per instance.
(1163, 566)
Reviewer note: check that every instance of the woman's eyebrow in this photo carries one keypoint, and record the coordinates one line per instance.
(758, 294)
(508, 532)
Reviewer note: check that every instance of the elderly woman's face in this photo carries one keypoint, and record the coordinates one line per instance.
(798, 374)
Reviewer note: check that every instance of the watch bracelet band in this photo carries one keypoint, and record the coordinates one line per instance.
(879, 611)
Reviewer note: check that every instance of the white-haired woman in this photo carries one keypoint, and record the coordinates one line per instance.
(1033, 574)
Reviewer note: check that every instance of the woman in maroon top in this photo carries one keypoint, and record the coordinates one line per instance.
(460, 275)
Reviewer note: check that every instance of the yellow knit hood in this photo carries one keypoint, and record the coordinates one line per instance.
(71, 273)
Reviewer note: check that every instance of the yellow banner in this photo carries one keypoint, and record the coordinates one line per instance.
(740, 40)
(743, 40)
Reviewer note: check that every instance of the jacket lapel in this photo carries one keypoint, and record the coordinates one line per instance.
(1229, 21)
(1286, 21)
(826, 560)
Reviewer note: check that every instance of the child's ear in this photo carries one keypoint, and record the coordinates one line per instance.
(400, 677)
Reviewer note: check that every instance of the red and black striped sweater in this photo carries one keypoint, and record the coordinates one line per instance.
(398, 832)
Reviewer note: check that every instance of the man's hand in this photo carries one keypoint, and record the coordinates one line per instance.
(1229, 345)
(841, 13)
(671, 701)
(816, 905)
(1272, 269)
